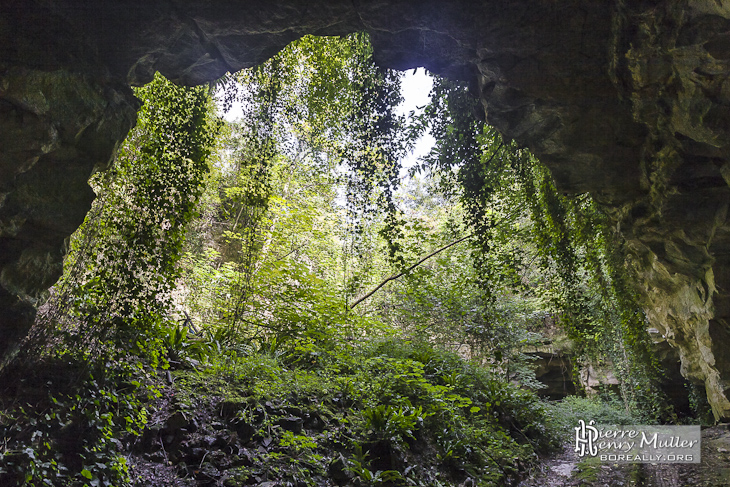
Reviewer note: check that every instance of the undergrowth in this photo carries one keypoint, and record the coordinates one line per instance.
(389, 411)
(604, 409)
(62, 419)
(386, 412)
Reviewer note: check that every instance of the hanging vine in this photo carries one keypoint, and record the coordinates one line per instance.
(570, 237)
(326, 98)
(121, 266)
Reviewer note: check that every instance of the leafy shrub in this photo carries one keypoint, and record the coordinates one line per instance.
(608, 409)
(394, 424)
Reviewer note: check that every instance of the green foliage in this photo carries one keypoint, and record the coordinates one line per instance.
(394, 424)
(699, 404)
(182, 347)
(604, 409)
(521, 222)
(237, 271)
(115, 293)
(276, 262)
(358, 465)
(377, 404)
(71, 436)
(381, 401)
(122, 266)
(297, 443)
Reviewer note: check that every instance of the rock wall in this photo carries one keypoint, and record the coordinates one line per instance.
(627, 100)
(677, 75)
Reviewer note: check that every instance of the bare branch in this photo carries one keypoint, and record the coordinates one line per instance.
(396, 276)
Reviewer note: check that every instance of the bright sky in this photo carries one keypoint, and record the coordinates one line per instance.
(415, 89)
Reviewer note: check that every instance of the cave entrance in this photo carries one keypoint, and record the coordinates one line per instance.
(321, 114)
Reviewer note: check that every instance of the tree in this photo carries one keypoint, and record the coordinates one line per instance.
(318, 131)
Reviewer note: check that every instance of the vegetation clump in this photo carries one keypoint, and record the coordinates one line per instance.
(384, 413)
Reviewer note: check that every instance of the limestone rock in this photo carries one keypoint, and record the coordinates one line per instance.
(56, 128)
(596, 378)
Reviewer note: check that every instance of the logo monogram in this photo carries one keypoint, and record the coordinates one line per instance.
(585, 436)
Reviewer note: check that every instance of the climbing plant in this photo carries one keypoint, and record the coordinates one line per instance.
(318, 121)
(520, 219)
(103, 332)
(121, 267)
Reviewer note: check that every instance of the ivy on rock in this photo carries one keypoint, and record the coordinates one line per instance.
(520, 219)
(121, 268)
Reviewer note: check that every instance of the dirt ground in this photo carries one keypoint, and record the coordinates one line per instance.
(565, 469)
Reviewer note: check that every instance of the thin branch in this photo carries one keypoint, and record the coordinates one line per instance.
(290, 252)
(494, 154)
(237, 218)
(396, 276)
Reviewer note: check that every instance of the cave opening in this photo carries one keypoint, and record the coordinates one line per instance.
(622, 103)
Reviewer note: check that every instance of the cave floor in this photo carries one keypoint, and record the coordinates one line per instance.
(563, 469)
